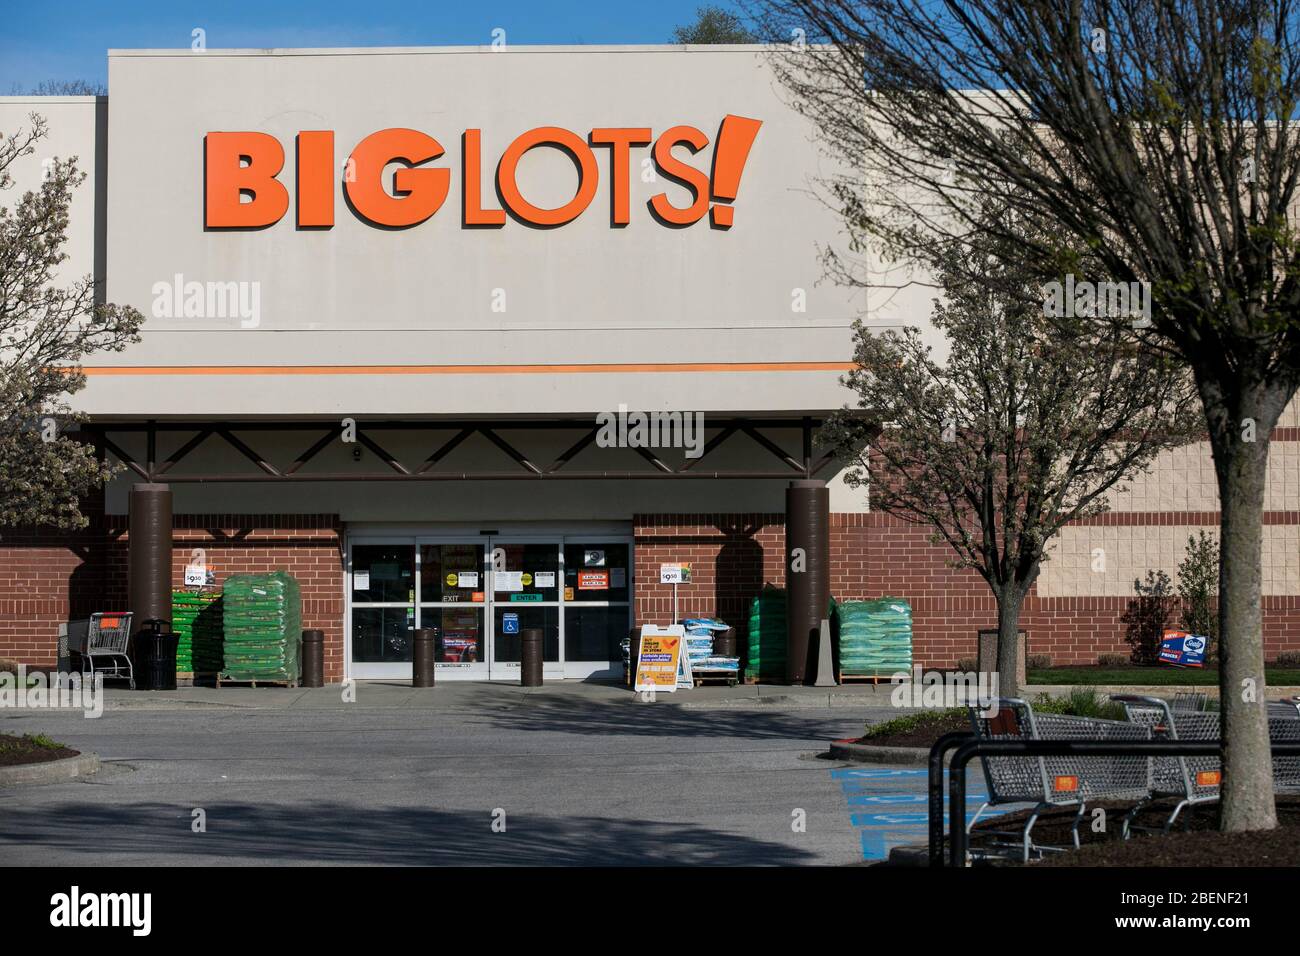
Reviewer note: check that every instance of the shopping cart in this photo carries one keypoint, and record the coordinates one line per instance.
(99, 646)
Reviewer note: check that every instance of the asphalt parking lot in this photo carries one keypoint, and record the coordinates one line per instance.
(470, 774)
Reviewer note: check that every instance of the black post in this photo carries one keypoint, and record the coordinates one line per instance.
(937, 753)
(313, 658)
(530, 657)
(807, 572)
(422, 656)
(149, 560)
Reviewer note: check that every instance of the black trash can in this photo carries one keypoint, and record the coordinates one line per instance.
(157, 653)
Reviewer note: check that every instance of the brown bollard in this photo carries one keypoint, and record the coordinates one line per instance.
(530, 657)
(422, 657)
(313, 658)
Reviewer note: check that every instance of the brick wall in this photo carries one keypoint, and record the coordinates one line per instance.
(734, 555)
(47, 577)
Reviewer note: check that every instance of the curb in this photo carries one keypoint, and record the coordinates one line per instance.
(868, 753)
(52, 771)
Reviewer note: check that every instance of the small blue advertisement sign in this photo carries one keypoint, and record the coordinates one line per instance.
(509, 623)
(1180, 649)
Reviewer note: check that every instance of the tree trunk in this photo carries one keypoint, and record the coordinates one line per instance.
(1241, 465)
(1010, 601)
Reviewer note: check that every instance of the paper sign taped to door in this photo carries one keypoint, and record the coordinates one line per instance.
(659, 660)
(509, 580)
(468, 579)
(361, 580)
(544, 579)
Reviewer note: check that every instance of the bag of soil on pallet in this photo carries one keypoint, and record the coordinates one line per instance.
(875, 637)
(197, 621)
(765, 659)
(262, 625)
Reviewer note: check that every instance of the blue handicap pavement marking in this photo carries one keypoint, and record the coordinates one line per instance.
(889, 806)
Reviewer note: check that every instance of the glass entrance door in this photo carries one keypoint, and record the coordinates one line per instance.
(526, 581)
(453, 601)
(479, 593)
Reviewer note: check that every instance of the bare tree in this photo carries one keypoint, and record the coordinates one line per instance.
(45, 330)
(1161, 135)
(1026, 424)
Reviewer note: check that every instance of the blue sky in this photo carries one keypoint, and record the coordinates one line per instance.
(67, 40)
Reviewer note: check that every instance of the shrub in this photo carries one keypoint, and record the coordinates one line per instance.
(1148, 617)
(1038, 662)
(1113, 660)
(1080, 702)
(1288, 659)
(1198, 586)
(967, 664)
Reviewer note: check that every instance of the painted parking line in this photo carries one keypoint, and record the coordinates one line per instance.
(886, 804)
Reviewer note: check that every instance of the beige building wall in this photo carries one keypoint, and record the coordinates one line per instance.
(1104, 560)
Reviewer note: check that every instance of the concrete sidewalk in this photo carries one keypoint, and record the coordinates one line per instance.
(455, 695)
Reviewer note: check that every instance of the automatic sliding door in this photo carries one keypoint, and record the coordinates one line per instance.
(525, 594)
(453, 602)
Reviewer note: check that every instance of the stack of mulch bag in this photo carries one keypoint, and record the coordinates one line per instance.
(875, 637)
(263, 627)
(765, 660)
(197, 621)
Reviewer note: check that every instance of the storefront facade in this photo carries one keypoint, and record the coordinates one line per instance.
(404, 308)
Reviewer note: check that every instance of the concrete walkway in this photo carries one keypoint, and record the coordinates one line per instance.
(453, 695)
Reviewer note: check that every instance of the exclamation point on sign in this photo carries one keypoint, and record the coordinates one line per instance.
(734, 140)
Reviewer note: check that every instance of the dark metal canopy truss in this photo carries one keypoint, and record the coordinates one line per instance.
(368, 434)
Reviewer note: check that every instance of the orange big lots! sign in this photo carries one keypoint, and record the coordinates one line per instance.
(242, 188)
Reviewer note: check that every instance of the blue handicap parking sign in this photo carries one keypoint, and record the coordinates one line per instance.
(509, 623)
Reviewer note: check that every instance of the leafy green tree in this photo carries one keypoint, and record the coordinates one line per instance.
(1160, 135)
(713, 25)
(1026, 424)
(45, 329)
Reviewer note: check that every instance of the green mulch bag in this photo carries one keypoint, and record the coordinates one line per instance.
(768, 635)
(262, 625)
(875, 637)
(197, 621)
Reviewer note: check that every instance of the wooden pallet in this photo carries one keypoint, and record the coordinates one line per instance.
(874, 678)
(192, 678)
(229, 682)
(730, 678)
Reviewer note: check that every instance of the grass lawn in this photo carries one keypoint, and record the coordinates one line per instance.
(1275, 676)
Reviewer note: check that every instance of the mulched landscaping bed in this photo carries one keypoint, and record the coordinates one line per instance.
(1201, 844)
(21, 750)
(921, 736)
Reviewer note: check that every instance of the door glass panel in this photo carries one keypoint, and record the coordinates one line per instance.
(451, 573)
(525, 573)
(596, 572)
(382, 634)
(594, 633)
(383, 573)
(460, 637)
(506, 638)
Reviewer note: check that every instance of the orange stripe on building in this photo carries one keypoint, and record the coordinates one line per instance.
(599, 368)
